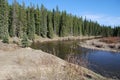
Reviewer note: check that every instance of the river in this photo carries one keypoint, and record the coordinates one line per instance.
(102, 62)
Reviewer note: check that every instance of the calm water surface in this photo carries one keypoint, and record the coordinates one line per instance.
(102, 62)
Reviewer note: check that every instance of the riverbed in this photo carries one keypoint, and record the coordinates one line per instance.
(105, 63)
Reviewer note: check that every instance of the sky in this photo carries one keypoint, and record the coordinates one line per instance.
(105, 12)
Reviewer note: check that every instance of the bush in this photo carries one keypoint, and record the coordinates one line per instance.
(5, 39)
(25, 42)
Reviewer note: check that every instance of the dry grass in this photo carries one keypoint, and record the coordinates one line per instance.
(109, 40)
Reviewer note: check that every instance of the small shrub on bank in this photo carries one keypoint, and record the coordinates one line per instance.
(25, 42)
(5, 39)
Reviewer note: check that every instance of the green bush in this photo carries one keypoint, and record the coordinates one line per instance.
(25, 42)
(5, 39)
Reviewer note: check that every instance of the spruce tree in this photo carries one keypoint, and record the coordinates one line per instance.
(56, 20)
(4, 20)
(19, 29)
(43, 21)
(49, 26)
(62, 30)
(24, 18)
(14, 25)
(31, 27)
(38, 21)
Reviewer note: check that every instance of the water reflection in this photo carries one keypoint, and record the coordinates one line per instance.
(102, 62)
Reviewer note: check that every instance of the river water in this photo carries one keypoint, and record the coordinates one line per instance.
(102, 62)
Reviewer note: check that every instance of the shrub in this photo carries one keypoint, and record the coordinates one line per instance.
(5, 39)
(25, 42)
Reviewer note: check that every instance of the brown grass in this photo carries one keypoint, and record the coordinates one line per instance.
(110, 40)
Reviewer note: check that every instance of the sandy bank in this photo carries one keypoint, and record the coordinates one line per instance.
(97, 44)
(28, 64)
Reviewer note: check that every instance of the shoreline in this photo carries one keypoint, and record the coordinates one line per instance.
(65, 38)
(23, 63)
(95, 44)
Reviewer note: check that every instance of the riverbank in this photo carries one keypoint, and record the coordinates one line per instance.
(28, 64)
(102, 44)
(65, 38)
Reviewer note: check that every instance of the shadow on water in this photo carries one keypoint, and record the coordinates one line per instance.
(102, 62)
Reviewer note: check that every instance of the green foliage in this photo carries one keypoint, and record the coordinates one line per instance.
(24, 41)
(17, 19)
(5, 39)
(63, 29)
(38, 21)
(31, 27)
(43, 21)
(49, 26)
(4, 20)
(56, 20)
(116, 31)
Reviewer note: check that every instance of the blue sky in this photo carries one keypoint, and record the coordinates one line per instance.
(105, 12)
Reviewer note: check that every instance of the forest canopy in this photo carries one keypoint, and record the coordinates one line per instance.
(33, 20)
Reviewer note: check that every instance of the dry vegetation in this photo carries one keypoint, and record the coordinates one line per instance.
(107, 44)
(110, 40)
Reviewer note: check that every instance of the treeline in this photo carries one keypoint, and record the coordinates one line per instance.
(18, 20)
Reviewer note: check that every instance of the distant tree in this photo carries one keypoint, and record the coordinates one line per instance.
(62, 30)
(14, 25)
(38, 21)
(31, 27)
(43, 21)
(75, 26)
(4, 20)
(16, 19)
(19, 29)
(116, 31)
(24, 18)
(56, 20)
(50, 32)
(70, 25)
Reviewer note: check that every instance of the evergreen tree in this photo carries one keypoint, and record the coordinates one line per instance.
(43, 21)
(16, 19)
(19, 29)
(31, 27)
(4, 20)
(62, 30)
(70, 25)
(75, 26)
(24, 18)
(38, 21)
(56, 20)
(14, 25)
(49, 26)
